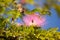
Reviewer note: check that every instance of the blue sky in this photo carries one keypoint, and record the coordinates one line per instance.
(53, 20)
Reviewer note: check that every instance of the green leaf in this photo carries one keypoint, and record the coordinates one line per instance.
(37, 10)
(46, 13)
(57, 7)
(14, 13)
(54, 30)
(2, 9)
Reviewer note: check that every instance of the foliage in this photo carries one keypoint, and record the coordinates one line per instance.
(2, 9)
(14, 13)
(30, 33)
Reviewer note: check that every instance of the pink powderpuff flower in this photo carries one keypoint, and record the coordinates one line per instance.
(34, 19)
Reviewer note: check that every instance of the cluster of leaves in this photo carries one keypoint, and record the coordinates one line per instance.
(7, 3)
(45, 10)
(29, 33)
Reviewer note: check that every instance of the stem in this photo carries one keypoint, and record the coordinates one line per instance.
(3, 37)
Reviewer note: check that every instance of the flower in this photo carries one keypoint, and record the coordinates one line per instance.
(33, 19)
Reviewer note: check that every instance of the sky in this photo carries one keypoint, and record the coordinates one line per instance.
(53, 20)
